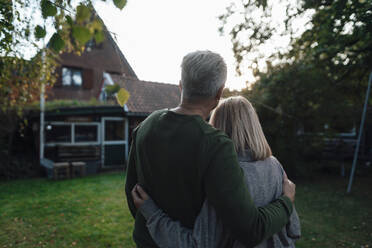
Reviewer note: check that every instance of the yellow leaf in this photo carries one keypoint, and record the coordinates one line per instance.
(122, 97)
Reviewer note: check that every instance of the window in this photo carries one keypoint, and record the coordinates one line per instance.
(57, 133)
(114, 130)
(71, 76)
(86, 133)
(73, 133)
(92, 44)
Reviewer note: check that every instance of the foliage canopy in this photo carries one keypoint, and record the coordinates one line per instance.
(314, 83)
(26, 65)
(335, 35)
(24, 24)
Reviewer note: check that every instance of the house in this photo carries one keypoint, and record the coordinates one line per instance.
(81, 77)
(99, 135)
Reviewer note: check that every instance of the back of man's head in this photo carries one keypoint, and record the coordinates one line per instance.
(203, 74)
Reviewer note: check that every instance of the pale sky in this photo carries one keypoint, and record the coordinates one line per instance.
(155, 35)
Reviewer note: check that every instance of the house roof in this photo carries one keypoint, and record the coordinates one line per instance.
(99, 58)
(146, 97)
(124, 63)
(105, 56)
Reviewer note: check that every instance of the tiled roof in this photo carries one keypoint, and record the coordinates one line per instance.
(146, 97)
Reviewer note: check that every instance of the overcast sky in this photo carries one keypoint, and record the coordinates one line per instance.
(155, 35)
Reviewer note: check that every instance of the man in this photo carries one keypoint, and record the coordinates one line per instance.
(181, 160)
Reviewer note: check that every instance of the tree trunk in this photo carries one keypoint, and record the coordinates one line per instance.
(8, 129)
(10, 149)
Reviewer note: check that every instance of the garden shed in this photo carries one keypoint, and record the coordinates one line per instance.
(100, 135)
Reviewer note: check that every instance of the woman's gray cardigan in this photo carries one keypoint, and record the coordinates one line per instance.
(265, 182)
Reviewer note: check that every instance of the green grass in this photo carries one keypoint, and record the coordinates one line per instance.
(87, 212)
(92, 212)
(332, 218)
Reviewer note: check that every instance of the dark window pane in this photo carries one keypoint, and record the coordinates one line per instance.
(114, 130)
(72, 76)
(66, 76)
(85, 133)
(58, 133)
(90, 45)
(114, 155)
(77, 78)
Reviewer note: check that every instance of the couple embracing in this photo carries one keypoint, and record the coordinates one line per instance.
(191, 183)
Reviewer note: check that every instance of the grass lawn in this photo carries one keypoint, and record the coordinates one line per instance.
(87, 212)
(92, 212)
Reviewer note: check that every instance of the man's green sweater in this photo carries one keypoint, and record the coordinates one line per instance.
(181, 160)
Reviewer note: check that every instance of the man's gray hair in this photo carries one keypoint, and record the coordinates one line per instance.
(203, 74)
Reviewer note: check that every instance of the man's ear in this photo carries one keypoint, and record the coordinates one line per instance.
(219, 92)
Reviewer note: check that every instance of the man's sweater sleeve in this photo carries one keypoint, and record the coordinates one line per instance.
(227, 192)
(131, 178)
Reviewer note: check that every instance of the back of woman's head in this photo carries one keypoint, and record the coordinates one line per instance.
(238, 119)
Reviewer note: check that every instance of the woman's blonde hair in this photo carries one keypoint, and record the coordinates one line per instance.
(238, 119)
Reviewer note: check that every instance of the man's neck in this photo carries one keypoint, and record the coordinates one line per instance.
(187, 108)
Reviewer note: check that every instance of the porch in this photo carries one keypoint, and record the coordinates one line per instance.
(97, 136)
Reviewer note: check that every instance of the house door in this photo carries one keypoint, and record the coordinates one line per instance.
(114, 141)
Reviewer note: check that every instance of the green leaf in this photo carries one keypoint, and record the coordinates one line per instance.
(82, 13)
(97, 25)
(39, 32)
(27, 32)
(120, 3)
(99, 36)
(56, 42)
(48, 9)
(81, 34)
(112, 89)
(122, 96)
(69, 20)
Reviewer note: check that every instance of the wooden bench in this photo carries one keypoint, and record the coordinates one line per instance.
(343, 149)
(78, 169)
(78, 153)
(339, 149)
(59, 170)
(77, 156)
(70, 161)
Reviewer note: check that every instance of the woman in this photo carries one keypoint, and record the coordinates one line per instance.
(264, 176)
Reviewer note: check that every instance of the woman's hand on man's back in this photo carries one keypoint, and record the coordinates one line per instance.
(289, 188)
(139, 196)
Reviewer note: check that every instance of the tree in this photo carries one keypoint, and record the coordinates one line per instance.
(294, 105)
(71, 26)
(334, 41)
(319, 77)
(23, 24)
(335, 35)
